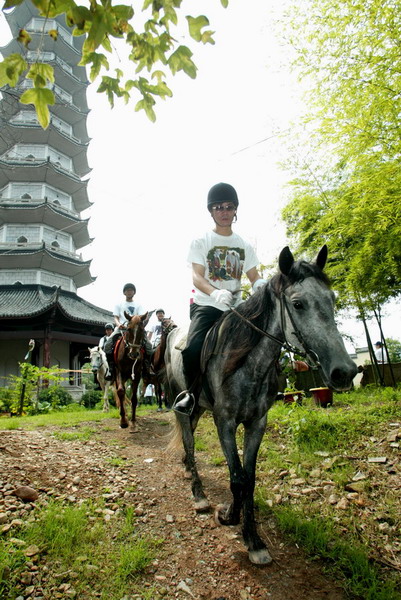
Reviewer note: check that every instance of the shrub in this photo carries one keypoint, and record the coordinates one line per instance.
(55, 396)
(7, 397)
(90, 398)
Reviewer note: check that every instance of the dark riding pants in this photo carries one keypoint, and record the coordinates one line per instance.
(202, 319)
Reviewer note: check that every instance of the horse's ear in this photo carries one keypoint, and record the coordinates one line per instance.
(322, 257)
(145, 316)
(127, 316)
(285, 260)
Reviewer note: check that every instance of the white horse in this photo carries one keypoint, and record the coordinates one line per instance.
(99, 365)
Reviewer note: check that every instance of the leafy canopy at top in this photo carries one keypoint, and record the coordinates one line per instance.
(347, 185)
(149, 42)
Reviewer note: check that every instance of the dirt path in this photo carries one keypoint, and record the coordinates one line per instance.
(198, 559)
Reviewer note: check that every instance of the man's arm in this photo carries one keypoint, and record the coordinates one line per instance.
(199, 280)
(253, 275)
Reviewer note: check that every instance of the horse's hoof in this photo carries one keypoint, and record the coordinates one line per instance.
(123, 425)
(219, 512)
(260, 557)
(202, 505)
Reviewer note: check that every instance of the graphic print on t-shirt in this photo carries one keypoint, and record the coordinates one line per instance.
(225, 263)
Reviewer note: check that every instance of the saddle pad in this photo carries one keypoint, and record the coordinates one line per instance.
(181, 342)
(116, 347)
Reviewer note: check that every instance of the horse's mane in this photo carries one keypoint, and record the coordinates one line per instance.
(258, 309)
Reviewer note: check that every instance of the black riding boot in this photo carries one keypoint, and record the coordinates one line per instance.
(110, 361)
(184, 403)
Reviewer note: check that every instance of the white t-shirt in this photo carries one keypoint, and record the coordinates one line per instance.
(225, 258)
(156, 331)
(132, 308)
(380, 355)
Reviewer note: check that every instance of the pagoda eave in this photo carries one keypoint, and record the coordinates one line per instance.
(48, 214)
(42, 258)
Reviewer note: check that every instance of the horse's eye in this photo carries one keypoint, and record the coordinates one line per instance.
(297, 305)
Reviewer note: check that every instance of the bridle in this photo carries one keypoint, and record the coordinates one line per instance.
(306, 352)
(134, 348)
(98, 358)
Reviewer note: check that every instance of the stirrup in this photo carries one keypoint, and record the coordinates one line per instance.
(184, 403)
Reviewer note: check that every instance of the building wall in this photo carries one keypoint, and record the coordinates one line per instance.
(26, 276)
(13, 352)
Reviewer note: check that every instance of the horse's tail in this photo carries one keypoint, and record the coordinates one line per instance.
(175, 442)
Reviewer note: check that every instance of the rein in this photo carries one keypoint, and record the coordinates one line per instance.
(305, 353)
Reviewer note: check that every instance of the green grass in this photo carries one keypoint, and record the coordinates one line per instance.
(346, 557)
(107, 558)
(72, 415)
(59, 419)
(80, 434)
(332, 444)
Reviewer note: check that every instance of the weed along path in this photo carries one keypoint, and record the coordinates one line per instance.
(131, 474)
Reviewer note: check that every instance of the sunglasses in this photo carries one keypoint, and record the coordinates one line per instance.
(223, 207)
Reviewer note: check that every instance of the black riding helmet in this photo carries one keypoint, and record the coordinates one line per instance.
(129, 285)
(222, 192)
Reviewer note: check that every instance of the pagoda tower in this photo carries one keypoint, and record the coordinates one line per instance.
(43, 191)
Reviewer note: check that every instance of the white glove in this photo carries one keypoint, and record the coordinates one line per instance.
(256, 284)
(223, 297)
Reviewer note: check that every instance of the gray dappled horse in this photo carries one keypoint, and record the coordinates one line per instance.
(295, 309)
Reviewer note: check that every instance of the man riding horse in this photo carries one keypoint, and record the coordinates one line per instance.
(216, 290)
(132, 308)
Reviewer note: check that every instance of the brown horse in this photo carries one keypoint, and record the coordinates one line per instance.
(128, 357)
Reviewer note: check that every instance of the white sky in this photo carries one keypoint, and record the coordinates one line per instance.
(149, 181)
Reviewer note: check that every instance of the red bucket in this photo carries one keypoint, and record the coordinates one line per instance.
(295, 396)
(322, 396)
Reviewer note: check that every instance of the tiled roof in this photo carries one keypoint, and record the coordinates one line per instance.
(23, 301)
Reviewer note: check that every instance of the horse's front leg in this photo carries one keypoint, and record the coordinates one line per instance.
(187, 425)
(135, 379)
(106, 406)
(134, 403)
(120, 390)
(257, 550)
(230, 515)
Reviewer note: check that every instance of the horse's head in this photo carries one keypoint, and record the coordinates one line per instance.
(307, 307)
(135, 334)
(96, 359)
(167, 325)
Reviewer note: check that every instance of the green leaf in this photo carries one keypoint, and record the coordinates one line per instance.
(97, 31)
(41, 72)
(180, 60)
(98, 61)
(224, 3)
(123, 12)
(24, 38)
(11, 69)
(40, 98)
(53, 34)
(195, 25)
(145, 105)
